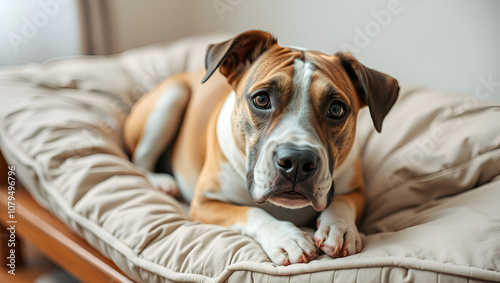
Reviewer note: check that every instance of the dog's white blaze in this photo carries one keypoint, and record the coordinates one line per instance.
(301, 82)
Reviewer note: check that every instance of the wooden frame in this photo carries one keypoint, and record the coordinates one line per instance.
(51, 236)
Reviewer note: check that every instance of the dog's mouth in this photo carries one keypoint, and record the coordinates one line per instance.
(290, 199)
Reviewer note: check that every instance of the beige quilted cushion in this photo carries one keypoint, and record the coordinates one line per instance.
(431, 216)
(433, 145)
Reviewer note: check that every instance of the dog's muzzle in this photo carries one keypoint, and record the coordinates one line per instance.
(296, 164)
(297, 167)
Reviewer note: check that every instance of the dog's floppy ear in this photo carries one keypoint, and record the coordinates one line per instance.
(235, 55)
(377, 90)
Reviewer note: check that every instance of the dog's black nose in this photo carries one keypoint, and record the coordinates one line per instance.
(296, 164)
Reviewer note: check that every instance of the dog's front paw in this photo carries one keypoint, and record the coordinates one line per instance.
(337, 239)
(165, 183)
(288, 244)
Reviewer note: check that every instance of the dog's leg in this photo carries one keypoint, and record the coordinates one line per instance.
(161, 126)
(158, 114)
(283, 242)
(337, 234)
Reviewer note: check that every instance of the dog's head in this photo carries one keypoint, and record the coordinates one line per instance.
(295, 114)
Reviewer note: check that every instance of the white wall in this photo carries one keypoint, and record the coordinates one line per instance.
(451, 45)
(38, 30)
(136, 23)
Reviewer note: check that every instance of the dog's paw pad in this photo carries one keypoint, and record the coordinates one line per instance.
(165, 183)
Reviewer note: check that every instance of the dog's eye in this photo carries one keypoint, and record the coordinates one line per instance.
(337, 110)
(261, 100)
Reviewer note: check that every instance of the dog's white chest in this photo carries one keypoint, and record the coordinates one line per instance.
(233, 190)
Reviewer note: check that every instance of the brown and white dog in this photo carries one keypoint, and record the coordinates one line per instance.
(267, 144)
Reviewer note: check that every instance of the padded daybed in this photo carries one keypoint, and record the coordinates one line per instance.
(432, 177)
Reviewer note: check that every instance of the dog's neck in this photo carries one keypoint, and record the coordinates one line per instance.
(225, 137)
(351, 157)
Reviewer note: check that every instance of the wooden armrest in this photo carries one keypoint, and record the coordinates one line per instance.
(52, 237)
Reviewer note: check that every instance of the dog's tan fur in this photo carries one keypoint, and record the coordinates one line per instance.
(252, 62)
